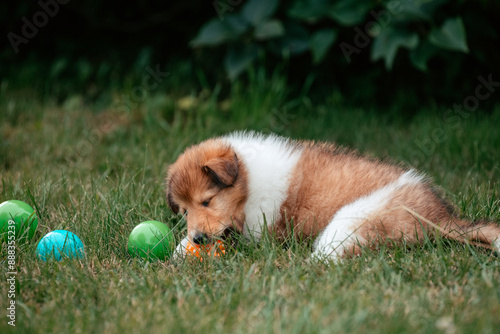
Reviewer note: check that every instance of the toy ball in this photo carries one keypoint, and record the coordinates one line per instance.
(58, 245)
(151, 240)
(200, 251)
(17, 221)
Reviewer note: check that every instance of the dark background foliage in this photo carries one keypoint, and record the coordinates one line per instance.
(427, 51)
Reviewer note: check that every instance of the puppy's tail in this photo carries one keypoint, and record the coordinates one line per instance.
(480, 233)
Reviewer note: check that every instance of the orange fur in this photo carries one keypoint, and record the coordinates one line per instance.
(189, 184)
(325, 179)
(311, 203)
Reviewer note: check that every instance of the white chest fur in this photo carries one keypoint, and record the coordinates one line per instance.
(269, 161)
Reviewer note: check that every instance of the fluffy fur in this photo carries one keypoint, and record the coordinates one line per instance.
(249, 182)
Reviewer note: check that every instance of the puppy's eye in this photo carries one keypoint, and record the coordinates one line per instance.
(206, 202)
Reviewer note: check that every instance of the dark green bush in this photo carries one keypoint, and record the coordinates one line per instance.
(341, 30)
(362, 50)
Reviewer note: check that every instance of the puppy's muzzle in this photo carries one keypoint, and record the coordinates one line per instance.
(201, 239)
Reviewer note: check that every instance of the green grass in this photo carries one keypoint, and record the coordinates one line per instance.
(98, 172)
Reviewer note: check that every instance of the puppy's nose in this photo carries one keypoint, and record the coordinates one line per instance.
(201, 239)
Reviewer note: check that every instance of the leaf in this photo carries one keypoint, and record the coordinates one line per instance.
(256, 11)
(450, 36)
(269, 29)
(309, 10)
(387, 43)
(415, 10)
(320, 42)
(295, 41)
(214, 32)
(238, 58)
(421, 55)
(236, 24)
(349, 12)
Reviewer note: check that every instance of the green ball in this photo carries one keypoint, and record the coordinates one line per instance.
(151, 240)
(17, 221)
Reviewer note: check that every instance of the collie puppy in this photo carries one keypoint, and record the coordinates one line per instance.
(248, 182)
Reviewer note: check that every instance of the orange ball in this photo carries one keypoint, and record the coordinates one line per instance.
(217, 249)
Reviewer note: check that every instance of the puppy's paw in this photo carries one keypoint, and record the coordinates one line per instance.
(326, 258)
(496, 245)
(180, 251)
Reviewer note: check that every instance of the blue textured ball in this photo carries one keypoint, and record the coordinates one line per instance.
(58, 245)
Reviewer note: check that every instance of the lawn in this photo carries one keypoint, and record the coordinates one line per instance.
(97, 168)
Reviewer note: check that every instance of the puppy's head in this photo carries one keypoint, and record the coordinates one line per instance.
(208, 184)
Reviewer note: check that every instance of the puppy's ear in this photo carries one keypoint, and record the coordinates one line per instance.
(170, 200)
(174, 207)
(222, 170)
